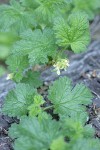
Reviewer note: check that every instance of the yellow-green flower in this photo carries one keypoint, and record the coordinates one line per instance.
(9, 76)
(61, 64)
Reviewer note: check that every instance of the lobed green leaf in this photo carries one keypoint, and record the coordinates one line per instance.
(18, 100)
(74, 32)
(37, 45)
(32, 134)
(66, 99)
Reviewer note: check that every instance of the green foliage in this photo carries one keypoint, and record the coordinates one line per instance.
(32, 4)
(17, 65)
(45, 11)
(37, 45)
(58, 144)
(4, 52)
(18, 100)
(91, 7)
(74, 32)
(81, 144)
(14, 18)
(6, 40)
(90, 144)
(32, 78)
(35, 109)
(32, 134)
(43, 132)
(69, 100)
(74, 127)
(47, 134)
(32, 29)
(36, 32)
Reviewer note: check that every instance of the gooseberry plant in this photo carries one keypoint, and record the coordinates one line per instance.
(40, 32)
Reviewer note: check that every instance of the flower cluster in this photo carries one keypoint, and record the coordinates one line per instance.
(61, 64)
(9, 76)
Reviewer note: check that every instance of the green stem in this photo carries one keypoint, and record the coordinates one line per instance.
(48, 107)
(60, 52)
